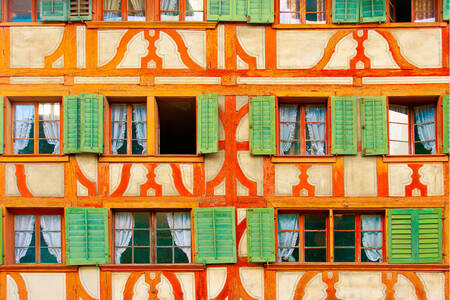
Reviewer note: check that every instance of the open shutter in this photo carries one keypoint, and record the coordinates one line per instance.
(86, 236)
(91, 123)
(446, 10)
(2, 124)
(260, 235)
(72, 123)
(345, 11)
(373, 125)
(429, 223)
(53, 10)
(262, 125)
(215, 235)
(373, 11)
(260, 11)
(343, 125)
(446, 122)
(219, 10)
(207, 124)
(80, 10)
(401, 236)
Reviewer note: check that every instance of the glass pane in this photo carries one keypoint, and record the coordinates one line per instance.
(376, 255)
(136, 10)
(315, 239)
(163, 238)
(290, 148)
(371, 239)
(398, 148)
(161, 220)
(194, 5)
(315, 255)
(118, 112)
(112, 9)
(49, 111)
(28, 255)
(139, 112)
(23, 130)
(180, 256)
(398, 132)
(24, 112)
(121, 236)
(424, 129)
(344, 254)
(398, 114)
(141, 237)
(50, 239)
(422, 148)
(315, 222)
(289, 11)
(344, 238)
(194, 16)
(169, 10)
(141, 255)
(49, 146)
(47, 257)
(344, 222)
(21, 10)
(315, 148)
(371, 222)
(138, 147)
(141, 220)
(424, 11)
(125, 258)
(164, 255)
(315, 11)
(287, 222)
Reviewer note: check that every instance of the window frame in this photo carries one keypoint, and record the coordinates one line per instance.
(437, 12)
(328, 9)
(153, 229)
(35, 10)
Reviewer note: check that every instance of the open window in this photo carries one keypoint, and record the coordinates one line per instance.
(413, 11)
(302, 11)
(23, 10)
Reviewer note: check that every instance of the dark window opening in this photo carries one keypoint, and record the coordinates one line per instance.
(400, 11)
(177, 126)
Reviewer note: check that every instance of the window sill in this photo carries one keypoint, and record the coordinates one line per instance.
(360, 25)
(145, 25)
(328, 266)
(151, 267)
(151, 158)
(38, 268)
(415, 158)
(34, 158)
(28, 24)
(280, 159)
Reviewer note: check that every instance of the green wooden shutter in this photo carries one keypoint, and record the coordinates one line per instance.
(345, 11)
(343, 125)
(446, 122)
(219, 10)
(86, 236)
(262, 125)
(429, 230)
(54, 10)
(240, 8)
(91, 123)
(401, 236)
(2, 122)
(80, 10)
(260, 11)
(260, 235)
(72, 123)
(446, 10)
(207, 124)
(373, 125)
(215, 235)
(373, 11)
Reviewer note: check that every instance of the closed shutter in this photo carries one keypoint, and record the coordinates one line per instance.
(373, 11)
(240, 10)
(401, 236)
(260, 11)
(80, 10)
(446, 10)
(446, 122)
(91, 123)
(219, 10)
(53, 10)
(86, 236)
(72, 123)
(429, 223)
(345, 11)
(260, 235)
(207, 124)
(343, 125)
(262, 125)
(2, 124)
(215, 235)
(373, 125)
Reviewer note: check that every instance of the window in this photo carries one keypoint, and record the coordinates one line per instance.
(37, 239)
(36, 128)
(412, 129)
(303, 129)
(129, 128)
(123, 10)
(358, 238)
(23, 10)
(303, 11)
(152, 237)
(184, 10)
(302, 237)
(412, 11)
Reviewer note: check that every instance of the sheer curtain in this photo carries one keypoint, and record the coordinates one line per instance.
(181, 237)
(23, 234)
(372, 239)
(124, 231)
(316, 131)
(424, 10)
(51, 231)
(169, 5)
(288, 113)
(111, 5)
(287, 238)
(50, 112)
(289, 11)
(118, 113)
(140, 115)
(426, 132)
(136, 5)
(22, 129)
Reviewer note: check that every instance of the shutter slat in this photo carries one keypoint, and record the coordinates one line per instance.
(219, 10)
(260, 11)
(260, 235)
(373, 11)
(207, 124)
(53, 10)
(262, 125)
(373, 123)
(345, 11)
(72, 123)
(80, 10)
(429, 233)
(446, 122)
(91, 123)
(400, 236)
(343, 125)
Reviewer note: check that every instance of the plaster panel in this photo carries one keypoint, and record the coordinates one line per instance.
(37, 80)
(221, 102)
(167, 49)
(399, 176)
(45, 180)
(115, 174)
(221, 47)
(90, 279)
(253, 168)
(88, 165)
(219, 190)
(118, 282)
(319, 80)
(187, 175)
(241, 214)
(11, 181)
(137, 48)
(30, 45)
(241, 101)
(81, 46)
(140, 289)
(12, 292)
(215, 280)
(138, 176)
(360, 285)
(376, 48)
(213, 164)
(195, 42)
(345, 50)
(404, 289)
(58, 63)
(421, 47)
(187, 282)
(243, 248)
(286, 176)
(315, 289)
(286, 284)
(187, 80)
(434, 284)
(253, 281)
(321, 177)
(107, 80)
(164, 177)
(301, 49)
(242, 131)
(108, 42)
(406, 79)
(360, 176)
(241, 64)
(164, 288)
(432, 175)
(48, 286)
(241, 190)
(252, 40)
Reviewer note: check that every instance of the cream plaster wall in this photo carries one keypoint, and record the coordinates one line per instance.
(360, 176)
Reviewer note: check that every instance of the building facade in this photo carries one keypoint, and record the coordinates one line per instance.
(224, 149)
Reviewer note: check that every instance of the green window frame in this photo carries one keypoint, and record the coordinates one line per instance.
(260, 235)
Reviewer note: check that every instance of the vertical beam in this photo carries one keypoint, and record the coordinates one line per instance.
(152, 126)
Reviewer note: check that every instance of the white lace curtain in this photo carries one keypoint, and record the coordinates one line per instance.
(124, 231)
(118, 134)
(426, 132)
(51, 231)
(50, 112)
(287, 238)
(181, 237)
(140, 115)
(372, 239)
(139, 7)
(23, 235)
(288, 113)
(22, 130)
(316, 131)
(109, 5)
(424, 10)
